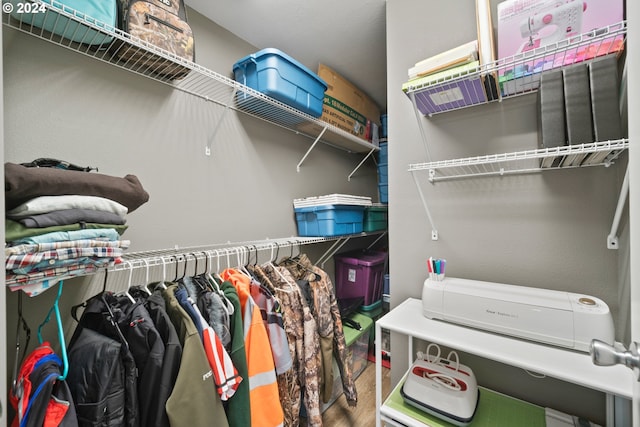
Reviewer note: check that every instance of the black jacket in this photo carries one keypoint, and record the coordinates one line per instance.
(147, 349)
(98, 381)
(102, 371)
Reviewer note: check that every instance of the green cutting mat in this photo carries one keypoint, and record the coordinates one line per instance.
(494, 410)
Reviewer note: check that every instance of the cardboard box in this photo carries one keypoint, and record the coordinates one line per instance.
(527, 25)
(347, 107)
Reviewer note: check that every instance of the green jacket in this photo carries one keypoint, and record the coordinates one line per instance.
(194, 401)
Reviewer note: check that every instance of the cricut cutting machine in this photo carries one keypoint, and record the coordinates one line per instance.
(558, 318)
(556, 20)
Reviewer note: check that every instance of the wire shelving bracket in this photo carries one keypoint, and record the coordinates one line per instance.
(612, 238)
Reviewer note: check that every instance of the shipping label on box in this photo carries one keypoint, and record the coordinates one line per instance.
(342, 116)
(525, 26)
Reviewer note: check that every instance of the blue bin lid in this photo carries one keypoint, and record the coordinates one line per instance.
(278, 52)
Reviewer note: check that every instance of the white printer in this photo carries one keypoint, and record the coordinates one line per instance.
(559, 318)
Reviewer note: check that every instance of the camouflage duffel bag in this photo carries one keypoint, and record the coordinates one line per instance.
(156, 23)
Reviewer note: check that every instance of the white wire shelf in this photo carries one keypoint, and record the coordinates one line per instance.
(511, 76)
(106, 43)
(564, 157)
(225, 254)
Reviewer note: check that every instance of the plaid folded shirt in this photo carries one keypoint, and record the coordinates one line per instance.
(27, 248)
(21, 261)
(68, 270)
(34, 285)
(49, 264)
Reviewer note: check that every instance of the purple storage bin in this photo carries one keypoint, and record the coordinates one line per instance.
(360, 274)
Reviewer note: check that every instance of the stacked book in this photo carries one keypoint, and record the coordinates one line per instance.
(453, 58)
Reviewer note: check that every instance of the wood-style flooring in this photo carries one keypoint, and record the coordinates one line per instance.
(339, 414)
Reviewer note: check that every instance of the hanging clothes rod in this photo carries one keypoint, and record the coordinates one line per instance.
(230, 253)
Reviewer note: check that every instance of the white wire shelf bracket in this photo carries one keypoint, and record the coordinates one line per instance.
(107, 44)
(511, 76)
(603, 153)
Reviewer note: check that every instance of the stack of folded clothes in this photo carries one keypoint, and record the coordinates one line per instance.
(63, 222)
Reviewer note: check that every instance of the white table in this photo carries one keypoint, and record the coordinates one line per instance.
(566, 365)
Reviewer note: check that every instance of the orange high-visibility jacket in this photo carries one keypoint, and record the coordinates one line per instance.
(266, 410)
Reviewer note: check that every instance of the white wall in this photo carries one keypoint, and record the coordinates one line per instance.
(63, 105)
(542, 230)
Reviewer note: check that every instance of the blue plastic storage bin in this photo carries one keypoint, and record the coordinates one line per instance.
(382, 153)
(329, 220)
(383, 126)
(383, 189)
(383, 175)
(279, 76)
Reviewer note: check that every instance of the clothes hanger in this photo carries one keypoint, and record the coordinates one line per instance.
(211, 281)
(177, 262)
(74, 309)
(265, 288)
(275, 268)
(126, 293)
(242, 267)
(25, 327)
(216, 274)
(145, 286)
(102, 295)
(63, 348)
(228, 305)
(201, 278)
(164, 274)
(111, 319)
(195, 268)
(291, 259)
(184, 270)
(196, 277)
(206, 277)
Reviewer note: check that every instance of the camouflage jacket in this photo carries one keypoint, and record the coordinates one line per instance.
(304, 345)
(327, 315)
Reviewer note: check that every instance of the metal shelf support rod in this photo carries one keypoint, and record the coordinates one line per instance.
(377, 240)
(434, 231)
(360, 164)
(612, 238)
(332, 251)
(310, 148)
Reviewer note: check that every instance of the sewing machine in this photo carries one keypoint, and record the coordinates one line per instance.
(557, 20)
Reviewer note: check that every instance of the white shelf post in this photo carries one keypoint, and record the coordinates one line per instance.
(434, 231)
(612, 238)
